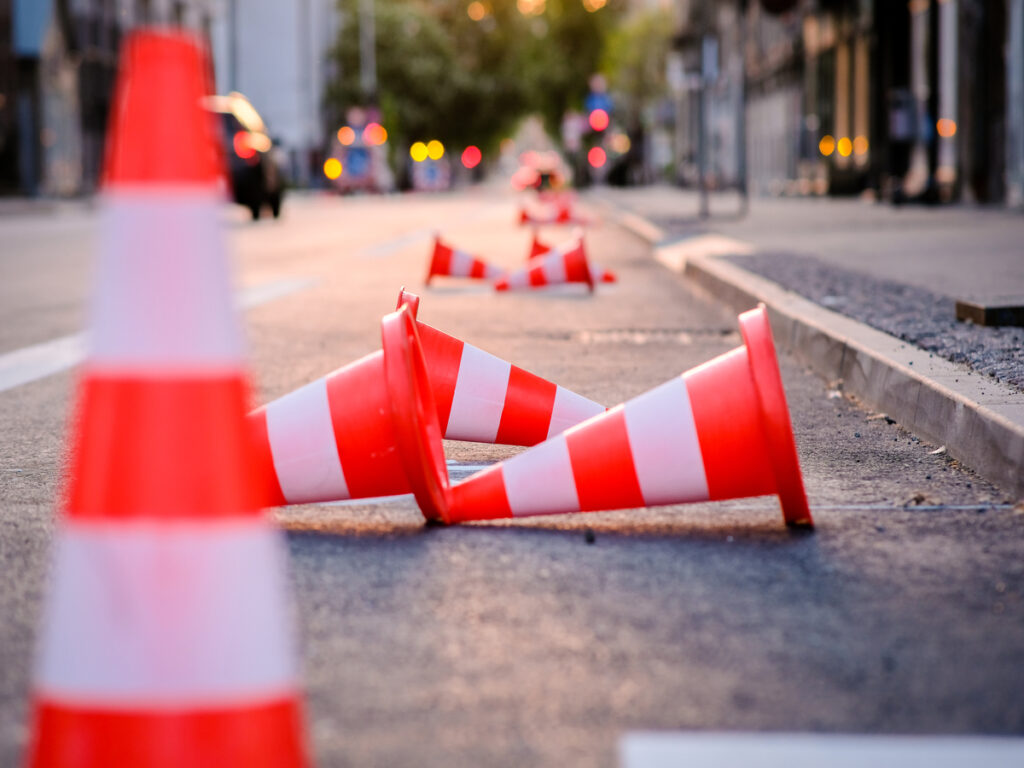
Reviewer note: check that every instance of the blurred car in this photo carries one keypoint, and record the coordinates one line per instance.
(255, 168)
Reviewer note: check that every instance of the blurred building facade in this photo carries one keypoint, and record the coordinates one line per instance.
(58, 60)
(278, 54)
(918, 100)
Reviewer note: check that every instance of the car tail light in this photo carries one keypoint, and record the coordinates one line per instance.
(243, 147)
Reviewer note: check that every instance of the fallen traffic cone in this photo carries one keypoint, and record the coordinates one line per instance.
(557, 266)
(719, 431)
(368, 429)
(165, 638)
(485, 399)
(538, 248)
(451, 262)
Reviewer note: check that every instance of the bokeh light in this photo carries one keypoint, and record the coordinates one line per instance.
(946, 128)
(621, 143)
(471, 156)
(476, 10)
(827, 145)
(375, 134)
(596, 157)
(435, 149)
(860, 145)
(599, 120)
(332, 168)
(844, 146)
(530, 7)
(594, 5)
(346, 135)
(418, 152)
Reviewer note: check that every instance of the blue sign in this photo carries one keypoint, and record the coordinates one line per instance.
(597, 101)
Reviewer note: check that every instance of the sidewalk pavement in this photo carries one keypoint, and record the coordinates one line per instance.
(864, 293)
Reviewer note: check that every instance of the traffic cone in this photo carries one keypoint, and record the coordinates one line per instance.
(561, 213)
(538, 248)
(451, 262)
(485, 399)
(719, 431)
(557, 266)
(165, 638)
(368, 429)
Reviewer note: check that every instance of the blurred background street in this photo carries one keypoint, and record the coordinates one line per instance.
(866, 157)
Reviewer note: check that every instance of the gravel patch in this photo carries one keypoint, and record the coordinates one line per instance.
(916, 315)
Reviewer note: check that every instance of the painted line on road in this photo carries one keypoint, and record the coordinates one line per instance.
(28, 364)
(803, 750)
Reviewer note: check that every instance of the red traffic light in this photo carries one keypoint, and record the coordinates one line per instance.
(471, 156)
(596, 157)
(598, 120)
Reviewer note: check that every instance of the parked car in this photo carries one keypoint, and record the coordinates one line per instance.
(254, 165)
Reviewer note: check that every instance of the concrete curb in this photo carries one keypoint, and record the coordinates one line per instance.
(980, 421)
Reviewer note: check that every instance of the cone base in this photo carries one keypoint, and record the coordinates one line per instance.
(267, 735)
(764, 367)
(414, 414)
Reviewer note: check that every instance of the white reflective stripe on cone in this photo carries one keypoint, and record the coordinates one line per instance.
(491, 271)
(479, 396)
(520, 279)
(663, 440)
(554, 267)
(540, 480)
(160, 264)
(159, 614)
(461, 264)
(302, 443)
(570, 409)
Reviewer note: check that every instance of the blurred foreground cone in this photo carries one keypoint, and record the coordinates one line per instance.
(368, 429)
(166, 638)
(539, 248)
(719, 431)
(559, 265)
(485, 399)
(446, 261)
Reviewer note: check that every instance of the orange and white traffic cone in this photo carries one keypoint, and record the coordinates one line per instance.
(560, 213)
(451, 262)
(539, 248)
(556, 267)
(719, 431)
(485, 399)
(368, 429)
(165, 638)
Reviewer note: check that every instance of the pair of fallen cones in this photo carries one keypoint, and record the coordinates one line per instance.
(546, 266)
(719, 431)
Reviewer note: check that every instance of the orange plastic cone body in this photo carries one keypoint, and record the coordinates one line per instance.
(368, 429)
(719, 431)
(165, 639)
(485, 399)
(557, 266)
(538, 248)
(451, 262)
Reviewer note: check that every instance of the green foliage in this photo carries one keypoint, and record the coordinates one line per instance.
(634, 61)
(443, 75)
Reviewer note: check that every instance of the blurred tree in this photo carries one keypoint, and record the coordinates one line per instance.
(634, 61)
(442, 74)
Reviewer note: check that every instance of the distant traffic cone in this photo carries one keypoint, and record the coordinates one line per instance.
(166, 638)
(451, 262)
(538, 248)
(485, 399)
(719, 431)
(560, 213)
(558, 266)
(368, 429)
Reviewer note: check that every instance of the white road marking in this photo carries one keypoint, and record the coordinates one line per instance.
(38, 361)
(804, 750)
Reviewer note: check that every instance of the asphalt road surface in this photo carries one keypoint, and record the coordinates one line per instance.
(535, 642)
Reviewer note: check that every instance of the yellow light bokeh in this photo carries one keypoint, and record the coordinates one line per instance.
(844, 146)
(346, 135)
(476, 10)
(418, 152)
(946, 128)
(827, 145)
(435, 149)
(530, 7)
(594, 5)
(332, 168)
(621, 143)
(860, 145)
